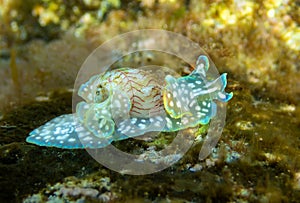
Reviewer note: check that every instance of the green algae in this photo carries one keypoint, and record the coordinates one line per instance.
(47, 20)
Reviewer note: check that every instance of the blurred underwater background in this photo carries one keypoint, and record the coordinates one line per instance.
(43, 44)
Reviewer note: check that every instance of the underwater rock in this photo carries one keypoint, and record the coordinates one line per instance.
(91, 188)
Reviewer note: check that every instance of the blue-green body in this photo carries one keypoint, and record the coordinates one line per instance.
(117, 108)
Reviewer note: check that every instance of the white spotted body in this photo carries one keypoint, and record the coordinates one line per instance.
(129, 102)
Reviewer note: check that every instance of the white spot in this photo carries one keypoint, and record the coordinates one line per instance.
(80, 135)
(72, 140)
(47, 132)
(57, 130)
(221, 95)
(126, 129)
(121, 126)
(143, 120)
(62, 137)
(205, 110)
(204, 103)
(159, 118)
(47, 137)
(106, 127)
(174, 94)
(192, 103)
(171, 103)
(169, 122)
(133, 120)
(87, 138)
(67, 130)
(61, 142)
(117, 103)
(178, 104)
(79, 129)
(191, 85)
(199, 114)
(102, 123)
(157, 124)
(197, 108)
(90, 96)
(142, 126)
(208, 105)
(168, 95)
(184, 98)
(200, 91)
(184, 120)
(104, 111)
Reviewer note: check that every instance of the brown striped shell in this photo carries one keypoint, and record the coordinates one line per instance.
(140, 86)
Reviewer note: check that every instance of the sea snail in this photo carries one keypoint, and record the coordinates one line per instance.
(126, 102)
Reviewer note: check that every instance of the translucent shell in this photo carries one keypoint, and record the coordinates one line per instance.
(129, 102)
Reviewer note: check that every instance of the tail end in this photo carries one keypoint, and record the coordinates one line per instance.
(222, 95)
(59, 132)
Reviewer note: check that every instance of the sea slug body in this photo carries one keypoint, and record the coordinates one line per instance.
(126, 102)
